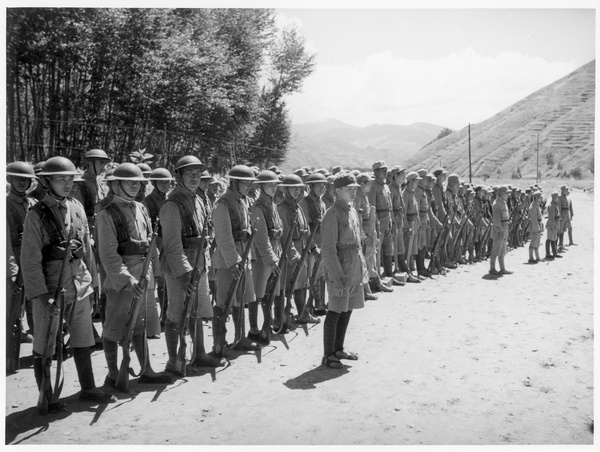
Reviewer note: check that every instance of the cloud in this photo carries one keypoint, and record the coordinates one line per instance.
(451, 91)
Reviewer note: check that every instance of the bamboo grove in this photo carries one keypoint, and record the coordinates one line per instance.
(211, 82)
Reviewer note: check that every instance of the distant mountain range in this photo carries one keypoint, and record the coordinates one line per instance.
(332, 142)
(558, 119)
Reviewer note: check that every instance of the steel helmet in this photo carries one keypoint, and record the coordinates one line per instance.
(161, 174)
(128, 171)
(205, 175)
(20, 169)
(316, 178)
(188, 160)
(242, 172)
(146, 170)
(266, 177)
(292, 180)
(58, 165)
(97, 154)
(38, 166)
(108, 176)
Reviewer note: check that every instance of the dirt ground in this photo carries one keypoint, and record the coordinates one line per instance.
(461, 360)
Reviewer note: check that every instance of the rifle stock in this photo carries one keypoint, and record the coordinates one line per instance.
(122, 383)
(13, 330)
(180, 367)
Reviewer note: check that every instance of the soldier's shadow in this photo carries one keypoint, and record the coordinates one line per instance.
(311, 378)
(30, 423)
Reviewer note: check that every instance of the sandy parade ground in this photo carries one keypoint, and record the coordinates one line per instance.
(465, 359)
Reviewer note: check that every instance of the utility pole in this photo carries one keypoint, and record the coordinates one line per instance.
(470, 178)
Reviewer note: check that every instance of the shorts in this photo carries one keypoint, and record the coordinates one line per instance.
(201, 304)
(535, 239)
(499, 243)
(78, 316)
(118, 305)
(552, 234)
(352, 298)
(223, 281)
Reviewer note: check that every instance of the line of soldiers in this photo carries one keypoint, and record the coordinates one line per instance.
(257, 239)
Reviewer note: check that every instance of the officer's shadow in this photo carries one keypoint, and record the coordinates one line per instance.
(311, 378)
(28, 423)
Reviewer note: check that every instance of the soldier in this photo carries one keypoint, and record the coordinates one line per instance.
(500, 223)
(563, 204)
(20, 176)
(288, 210)
(399, 216)
(381, 198)
(536, 227)
(552, 226)
(266, 248)
(144, 188)
(48, 226)
(569, 222)
(232, 225)
(90, 191)
(314, 208)
(412, 225)
(345, 269)
(39, 192)
(426, 218)
(161, 180)
(182, 218)
(124, 232)
(366, 213)
(328, 197)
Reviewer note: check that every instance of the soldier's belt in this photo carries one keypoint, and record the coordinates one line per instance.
(353, 246)
(190, 242)
(424, 211)
(564, 208)
(382, 210)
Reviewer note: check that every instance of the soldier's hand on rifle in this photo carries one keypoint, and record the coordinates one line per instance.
(235, 271)
(137, 290)
(186, 280)
(275, 269)
(48, 303)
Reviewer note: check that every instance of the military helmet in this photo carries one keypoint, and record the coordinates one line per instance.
(160, 174)
(146, 170)
(108, 176)
(38, 166)
(20, 169)
(205, 175)
(58, 165)
(242, 172)
(188, 160)
(316, 178)
(97, 154)
(128, 171)
(292, 180)
(266, 177)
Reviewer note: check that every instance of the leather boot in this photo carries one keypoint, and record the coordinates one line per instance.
(402, 263)
(388, 266)
(219, 333)
(201, 358)
(279, 310)
(421, 260)
(570, 232)
(242, 342)
(548, 254)
(554, 251)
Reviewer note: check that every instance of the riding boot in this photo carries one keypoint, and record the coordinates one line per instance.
(554, 250)
(111, 354)
(172, 339)
(279, 311)
(253, 315)
(219, 333)
(85, 373)
(561, 237)
(402, 263)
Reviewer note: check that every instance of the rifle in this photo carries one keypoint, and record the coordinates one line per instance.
(289, 292)
(434, 249)
(187, 305)
(13, 328)
(312, 280)
(46, 395)
(236, 281)
(122, 383)
(272, 283)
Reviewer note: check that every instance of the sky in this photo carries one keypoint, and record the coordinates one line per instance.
(449, 67)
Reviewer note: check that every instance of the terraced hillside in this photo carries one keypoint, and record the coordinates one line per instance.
(561, 116)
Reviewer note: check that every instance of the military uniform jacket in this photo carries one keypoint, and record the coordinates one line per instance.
(535, 217)
(424, 207)
(342, 252)
(381, 198)
(300, 232)
(267, 242)
(182, 221)
(412, 209)
(452, 206)
(314, 209)
(41, 276)
(553, 216)
(398, 207)
(500, 216)
(440, 201)
(228, 222)
(125, 269)
(17, 207)
(563, 203)
(328, 199)
(366, 213)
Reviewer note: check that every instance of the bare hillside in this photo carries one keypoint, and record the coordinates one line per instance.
(560, 115)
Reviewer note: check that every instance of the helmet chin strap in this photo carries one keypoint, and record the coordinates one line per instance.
(52, 192)
(123, 193)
